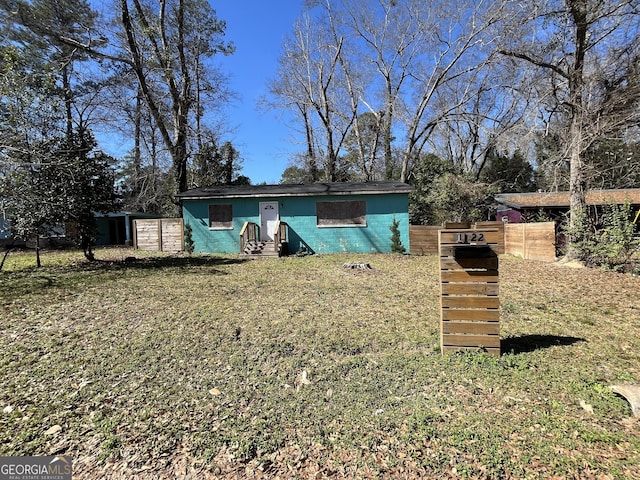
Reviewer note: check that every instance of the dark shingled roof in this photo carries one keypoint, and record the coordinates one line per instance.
(295, 190)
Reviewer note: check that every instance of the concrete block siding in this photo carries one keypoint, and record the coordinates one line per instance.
(300, 214)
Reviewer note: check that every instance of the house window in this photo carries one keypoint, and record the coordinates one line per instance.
(352, 213)
(220, 217)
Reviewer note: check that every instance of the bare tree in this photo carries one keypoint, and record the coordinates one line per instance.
(389, 40)
(394, 60)
(460, 43)
(586, 50)
(354, 73)
(310, 82)
(489, 115)
(33, 30)
(159, 43)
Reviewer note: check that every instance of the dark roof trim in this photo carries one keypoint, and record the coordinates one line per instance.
(561, 199)
(295, 190)
(140, 215)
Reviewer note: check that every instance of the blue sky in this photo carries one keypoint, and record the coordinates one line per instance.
(257, 29)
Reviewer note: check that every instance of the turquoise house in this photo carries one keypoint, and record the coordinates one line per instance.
(289, 218)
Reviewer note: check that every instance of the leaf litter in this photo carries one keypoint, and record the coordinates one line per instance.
(176, 368)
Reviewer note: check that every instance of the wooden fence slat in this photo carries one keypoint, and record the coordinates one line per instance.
(159, 233)
(451, 349)
(488, 236)
(450, 263)
(476, 328)
(533, 241)
(467, 301)
(423, 239)
(172, 235)
(490, 341)
(449, 225)
(470, 288)
(450, 314)
(499, 235)
(475, 276)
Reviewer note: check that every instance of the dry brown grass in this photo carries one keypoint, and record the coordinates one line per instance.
(209, 367)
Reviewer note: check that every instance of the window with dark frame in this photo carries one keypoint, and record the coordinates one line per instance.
(220, 217)
(341, 213)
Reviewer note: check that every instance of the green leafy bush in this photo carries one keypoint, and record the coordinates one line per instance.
(189, 246)
(612, 243)
(396, 241)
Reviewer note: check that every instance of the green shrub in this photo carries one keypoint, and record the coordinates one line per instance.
(189, 246)
(612, 243)
(396, 242)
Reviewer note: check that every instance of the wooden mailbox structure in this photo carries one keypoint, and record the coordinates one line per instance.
(469, 300)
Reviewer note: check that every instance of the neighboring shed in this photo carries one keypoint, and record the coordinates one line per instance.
(56, 235)
(116, 228)
(5, 230)
(313, 218)
(521, 207)
(5, 226)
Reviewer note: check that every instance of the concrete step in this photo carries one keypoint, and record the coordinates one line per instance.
(262, 248)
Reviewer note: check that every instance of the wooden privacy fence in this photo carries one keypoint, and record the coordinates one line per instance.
(532, 241)
(469, 301)
(423, 239)
(162, 234)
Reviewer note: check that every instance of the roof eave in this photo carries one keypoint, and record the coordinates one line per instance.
(294, 194)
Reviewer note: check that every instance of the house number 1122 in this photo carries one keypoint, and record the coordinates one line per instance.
(475, 237)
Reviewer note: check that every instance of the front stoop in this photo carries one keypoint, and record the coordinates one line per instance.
(260, 248)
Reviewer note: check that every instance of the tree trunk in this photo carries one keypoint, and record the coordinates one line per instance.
(311, 149)
(331, 161)
(137, 149)
(6, 254)
(577, 182)
(38, 263)
(68, 102)
(177, 145)
(184, 105)
(387, 136)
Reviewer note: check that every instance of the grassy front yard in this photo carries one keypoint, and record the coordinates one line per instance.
(214, 367)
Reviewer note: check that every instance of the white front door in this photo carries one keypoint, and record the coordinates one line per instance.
(268, 219)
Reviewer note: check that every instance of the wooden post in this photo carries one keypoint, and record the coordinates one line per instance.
(160, 246)
(469, 300)
(135, 234)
